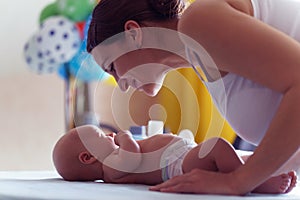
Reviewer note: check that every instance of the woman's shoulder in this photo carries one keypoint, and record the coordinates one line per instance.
(240, 5)
(202, 10)
(216, 24)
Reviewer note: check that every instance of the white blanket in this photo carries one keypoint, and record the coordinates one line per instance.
(48, 185)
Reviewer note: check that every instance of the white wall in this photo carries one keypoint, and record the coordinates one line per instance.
(31, 119)
(18, 21)
(31, 106)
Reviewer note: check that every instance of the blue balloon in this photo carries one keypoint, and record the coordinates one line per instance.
(84, 67)
(86, 27)
(63, 71)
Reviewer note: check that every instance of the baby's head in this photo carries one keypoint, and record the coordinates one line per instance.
(78, 155)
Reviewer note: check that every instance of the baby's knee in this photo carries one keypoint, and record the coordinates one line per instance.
(218, 143)
(217, 140)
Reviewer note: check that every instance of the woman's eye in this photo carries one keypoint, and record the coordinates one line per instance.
(112, 67)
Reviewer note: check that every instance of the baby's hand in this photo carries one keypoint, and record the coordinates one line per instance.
(121, 136)
(126, 159)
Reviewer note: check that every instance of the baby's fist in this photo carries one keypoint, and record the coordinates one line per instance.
(121, 135)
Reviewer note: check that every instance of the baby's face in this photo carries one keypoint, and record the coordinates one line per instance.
(97, 142)
(107, 142)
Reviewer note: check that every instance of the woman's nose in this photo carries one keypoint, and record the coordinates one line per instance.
(123, 84)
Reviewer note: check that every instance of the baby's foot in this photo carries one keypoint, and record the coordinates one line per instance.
(293, 184)
(283, 183)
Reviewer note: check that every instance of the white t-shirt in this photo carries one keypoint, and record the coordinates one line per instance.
(284, 15)
(247, 106)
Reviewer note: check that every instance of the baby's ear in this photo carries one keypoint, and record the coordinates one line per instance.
(86, 158)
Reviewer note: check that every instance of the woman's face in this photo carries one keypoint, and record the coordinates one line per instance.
(140, 69)
(141, 58)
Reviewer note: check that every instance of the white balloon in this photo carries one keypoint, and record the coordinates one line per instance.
(58, 39)
(35, 59)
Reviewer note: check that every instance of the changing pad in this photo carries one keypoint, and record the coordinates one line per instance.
(47, 185)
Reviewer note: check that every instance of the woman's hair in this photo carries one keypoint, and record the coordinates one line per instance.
(110, 16)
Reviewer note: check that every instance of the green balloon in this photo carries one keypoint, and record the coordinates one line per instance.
(76, 10)
(49, 11)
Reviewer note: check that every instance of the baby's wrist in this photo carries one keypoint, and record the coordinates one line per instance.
(126, 142)
(124, 135)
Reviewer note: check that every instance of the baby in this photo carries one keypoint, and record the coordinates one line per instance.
(86, 154)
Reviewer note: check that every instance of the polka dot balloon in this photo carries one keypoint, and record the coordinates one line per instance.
(35, 59)
(58, 39)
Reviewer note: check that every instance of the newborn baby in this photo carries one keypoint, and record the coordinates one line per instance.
(86, 154)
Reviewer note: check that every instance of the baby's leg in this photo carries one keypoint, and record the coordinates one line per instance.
(214, 154)
(218, 155)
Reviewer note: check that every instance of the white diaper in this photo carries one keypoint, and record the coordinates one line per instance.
(172, 158)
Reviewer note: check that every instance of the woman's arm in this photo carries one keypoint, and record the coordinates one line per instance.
(123, 161)
(240, 44)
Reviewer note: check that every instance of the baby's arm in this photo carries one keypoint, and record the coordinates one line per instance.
(124, 160)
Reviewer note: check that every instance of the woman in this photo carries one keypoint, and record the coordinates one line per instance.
(249, 54)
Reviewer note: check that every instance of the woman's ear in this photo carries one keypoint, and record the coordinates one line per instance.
(86, 158)
(135, 33)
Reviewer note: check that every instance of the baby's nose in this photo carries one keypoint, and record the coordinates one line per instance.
(111, 134)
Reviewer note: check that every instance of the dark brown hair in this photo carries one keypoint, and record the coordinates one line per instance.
(109, 16)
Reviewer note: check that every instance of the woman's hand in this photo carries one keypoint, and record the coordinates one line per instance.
(201, 182)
